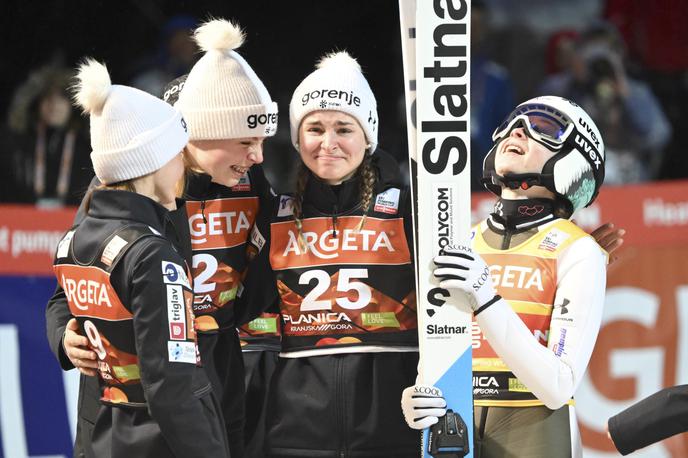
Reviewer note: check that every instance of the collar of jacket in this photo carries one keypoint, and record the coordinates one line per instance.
(115, 204)
(198, 185)
(520, 215)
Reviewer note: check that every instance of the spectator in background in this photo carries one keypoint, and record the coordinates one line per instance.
(492, 94)
(629, 116)
(176, 54)
(561, 61)
(657, 40)
(46, 155)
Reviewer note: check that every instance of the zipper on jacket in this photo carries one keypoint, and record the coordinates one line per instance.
(334, 221)
(205, 221)
(340, 405)
(506, 240)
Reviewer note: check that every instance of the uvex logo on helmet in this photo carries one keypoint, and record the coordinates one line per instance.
(584, 143)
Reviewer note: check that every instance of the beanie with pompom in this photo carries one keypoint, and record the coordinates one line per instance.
(132, 132)
(222, 96)
(336, 84)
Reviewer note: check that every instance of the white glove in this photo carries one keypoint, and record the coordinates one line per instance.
(462, 269)
(422, 405)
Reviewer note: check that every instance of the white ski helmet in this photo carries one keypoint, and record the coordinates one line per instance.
(575, 173)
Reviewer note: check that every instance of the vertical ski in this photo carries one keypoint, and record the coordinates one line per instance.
(436, 50)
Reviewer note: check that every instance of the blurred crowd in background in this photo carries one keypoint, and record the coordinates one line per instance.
(624, 61)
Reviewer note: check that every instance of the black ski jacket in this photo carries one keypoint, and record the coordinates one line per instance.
(651, 420)
(57, 315)
(169, 408)
(347, 404)
(220, 222)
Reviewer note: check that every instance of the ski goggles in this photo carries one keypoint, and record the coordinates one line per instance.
(547, 126)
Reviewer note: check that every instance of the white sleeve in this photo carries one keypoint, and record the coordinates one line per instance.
(553, 373)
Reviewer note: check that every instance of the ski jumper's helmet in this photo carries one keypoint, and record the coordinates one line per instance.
(575, 173)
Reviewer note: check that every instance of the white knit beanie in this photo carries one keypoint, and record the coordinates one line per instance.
(336, 84)
(132, 132)
(222, 97)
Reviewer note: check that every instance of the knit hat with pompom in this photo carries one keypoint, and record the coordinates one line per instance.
(336, 84)
(132, 132)
(222, 97)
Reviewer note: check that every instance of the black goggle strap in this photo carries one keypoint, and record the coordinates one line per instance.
(524, 180)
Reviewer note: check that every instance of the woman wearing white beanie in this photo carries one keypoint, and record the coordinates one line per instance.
(128, 286)
(228, 113)
(340, 248)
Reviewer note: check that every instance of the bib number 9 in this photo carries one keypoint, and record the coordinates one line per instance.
(94, 339)
(345, 283)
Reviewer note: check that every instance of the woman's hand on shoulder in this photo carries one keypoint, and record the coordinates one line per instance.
(610, 238)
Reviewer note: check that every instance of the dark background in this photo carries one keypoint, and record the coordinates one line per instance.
(286, 38)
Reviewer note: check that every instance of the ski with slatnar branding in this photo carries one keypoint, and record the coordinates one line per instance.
(436, 52)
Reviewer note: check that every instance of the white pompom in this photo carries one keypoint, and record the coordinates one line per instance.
(219, 34)
(339, 58)
(93, 86)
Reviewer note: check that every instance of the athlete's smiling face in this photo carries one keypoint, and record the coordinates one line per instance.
(226, 161)
(332, 144)
(518, 153)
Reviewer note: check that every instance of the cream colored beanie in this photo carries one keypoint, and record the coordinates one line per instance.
(336, 84)
(132, 132)
(222, 96)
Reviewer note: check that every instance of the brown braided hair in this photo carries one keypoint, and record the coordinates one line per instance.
(297, 203)
(368, 178)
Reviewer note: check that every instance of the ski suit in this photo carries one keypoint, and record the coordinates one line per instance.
(217, 227)
(348, 315)
(529, 359)
(57, 314)
(220, 220)
(128, 288)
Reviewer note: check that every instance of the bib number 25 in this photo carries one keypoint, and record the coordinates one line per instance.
(345, 283)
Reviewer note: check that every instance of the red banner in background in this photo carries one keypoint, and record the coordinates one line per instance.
(28, 237)
(652, 214)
